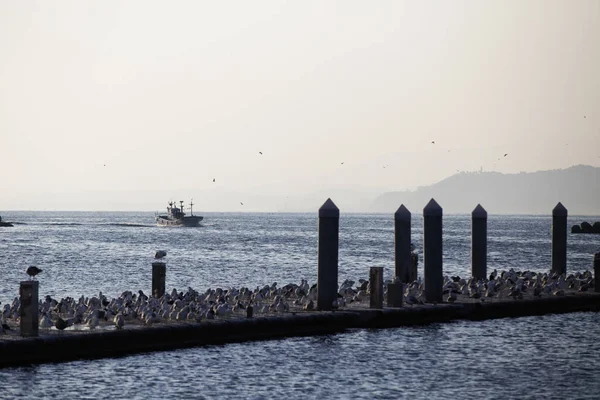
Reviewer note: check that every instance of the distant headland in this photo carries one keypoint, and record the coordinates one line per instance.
(577, 187)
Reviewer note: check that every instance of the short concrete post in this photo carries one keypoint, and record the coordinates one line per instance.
(479, 243)
(432, 241)
(414, 267)
(28, 292)
(159, 277)
(395, 294)
(376, 283)
(559, 239)
(402, 244)
(327, 270)
(597, 273)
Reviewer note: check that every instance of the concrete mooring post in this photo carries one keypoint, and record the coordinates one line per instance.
(559, 239)
(28, 292)
(395, 294)
(597, 272)
(479, 243)
(432, 241)
(327, 270)
(413, 273)
(376, 283)
(159, 277)
(402, 244)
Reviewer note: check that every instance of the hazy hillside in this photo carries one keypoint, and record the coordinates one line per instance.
(577, 187)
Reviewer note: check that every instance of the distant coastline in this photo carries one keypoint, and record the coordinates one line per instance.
(577, 187)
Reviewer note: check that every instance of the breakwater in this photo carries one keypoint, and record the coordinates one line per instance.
(190, 319)
(57, 346)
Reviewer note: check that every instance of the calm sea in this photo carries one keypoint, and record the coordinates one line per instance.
(83, 253)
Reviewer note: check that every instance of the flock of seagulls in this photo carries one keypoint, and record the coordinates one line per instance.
(193, 306)
(342, 163)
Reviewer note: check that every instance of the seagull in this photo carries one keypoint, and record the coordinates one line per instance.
(241, 203)
(160, 254)
(505, 154)
(33, 271)
(433, 142)
(342, 163)
(119, 321)
(260, 152)
(213, 179)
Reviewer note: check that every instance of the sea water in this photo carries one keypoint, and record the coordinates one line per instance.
(83, 253)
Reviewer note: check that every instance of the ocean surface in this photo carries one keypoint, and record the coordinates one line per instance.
(83, 253)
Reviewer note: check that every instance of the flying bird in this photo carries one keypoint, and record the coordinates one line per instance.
(260, 152)
(213, 179)
(433, 142)
(160, 254)
(342, 163)
(33, 271)
(505, 154)
(241, 203)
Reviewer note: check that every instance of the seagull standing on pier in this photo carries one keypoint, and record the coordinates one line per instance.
(160, 254)
(33, 271)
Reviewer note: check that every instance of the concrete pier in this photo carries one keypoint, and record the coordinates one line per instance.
(479, 242)
(72, 345)
(328, 246)
(159, 277)
(432, 241)
(376, 282)
(402, 232)
(28, 292)
(559, 239)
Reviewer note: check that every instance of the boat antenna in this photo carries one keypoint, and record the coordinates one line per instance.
(191, 205)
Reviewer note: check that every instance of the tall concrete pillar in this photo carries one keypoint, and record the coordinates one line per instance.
(559, 239)
(597, 272)
(402, 244)
(479, 242)
(28, 292)
(432, 241)
(327, 272)
(376, 283)
(159, 277)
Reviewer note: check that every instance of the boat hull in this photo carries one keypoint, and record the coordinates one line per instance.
(163, 220)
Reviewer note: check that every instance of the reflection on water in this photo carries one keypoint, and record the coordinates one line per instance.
(552, 356)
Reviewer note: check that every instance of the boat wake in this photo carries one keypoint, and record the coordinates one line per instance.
(61, 223)
(131, 225)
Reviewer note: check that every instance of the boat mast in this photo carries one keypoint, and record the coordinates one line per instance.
(191, 205)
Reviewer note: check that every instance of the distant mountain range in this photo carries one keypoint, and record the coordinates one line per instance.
(577, 188)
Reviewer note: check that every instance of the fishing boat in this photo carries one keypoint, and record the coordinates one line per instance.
(177, 217)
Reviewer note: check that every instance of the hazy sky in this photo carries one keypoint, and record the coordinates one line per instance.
(113, 105)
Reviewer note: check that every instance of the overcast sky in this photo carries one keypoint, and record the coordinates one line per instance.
(113, 105)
